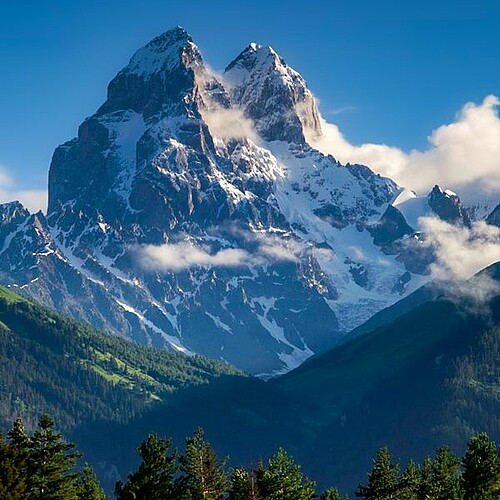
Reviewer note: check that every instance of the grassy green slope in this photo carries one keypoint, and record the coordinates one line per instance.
(78, 374)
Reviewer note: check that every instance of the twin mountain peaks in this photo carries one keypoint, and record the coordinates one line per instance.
(190, 213)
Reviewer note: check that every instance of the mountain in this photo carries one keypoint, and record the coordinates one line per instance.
(494, 217)
(50, 363)
(191, 214)
(427, 378)
(430, 376)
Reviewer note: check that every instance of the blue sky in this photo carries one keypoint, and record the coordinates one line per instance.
(386, 72)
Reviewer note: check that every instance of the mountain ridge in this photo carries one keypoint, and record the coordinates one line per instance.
(191, 214)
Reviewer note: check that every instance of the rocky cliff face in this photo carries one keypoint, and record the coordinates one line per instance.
(190, 213)
(447, 205)
(272, 94)
(494, 217)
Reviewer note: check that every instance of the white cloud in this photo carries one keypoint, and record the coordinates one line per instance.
(223, 123)
(229, 123)
(463, 155)
(34, 200)
(184, 255)
(342, 109)
(381, 158)
(273, 247)
(180, 256)
(462, 252)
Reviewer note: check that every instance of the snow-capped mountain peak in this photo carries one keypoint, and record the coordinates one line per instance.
(165, 53)
(165, 77)
(447, 205)
(272, 94)
(190, 213)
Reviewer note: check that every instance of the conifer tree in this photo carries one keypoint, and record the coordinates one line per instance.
(243, 485)
(49, 464)
(332, 494)
(382, 480)
(481, 469)
(154, 478)
(445, 481)
(19, 444)
(410, 482)
(88, 487)
(12, 472)
(425, 488)
(239, 484)
(203, 474)
(283, 479)
(18, 438)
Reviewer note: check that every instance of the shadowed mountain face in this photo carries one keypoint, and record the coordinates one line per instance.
(190, 213)
(447, 205)
(494, 217)
(425, 375)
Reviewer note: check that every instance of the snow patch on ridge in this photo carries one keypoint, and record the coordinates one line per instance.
(291, 357)
(126, 128)
(412, 208)
(312, 181)
(173, 341)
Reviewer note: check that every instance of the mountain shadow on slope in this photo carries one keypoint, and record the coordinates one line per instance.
(428, 378)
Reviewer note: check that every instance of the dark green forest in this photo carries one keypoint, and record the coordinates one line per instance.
(44, 466)
(50, 363)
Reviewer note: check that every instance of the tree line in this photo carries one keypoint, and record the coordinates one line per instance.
(43, 466)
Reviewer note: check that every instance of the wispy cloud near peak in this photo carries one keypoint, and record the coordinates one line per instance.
(463, 155)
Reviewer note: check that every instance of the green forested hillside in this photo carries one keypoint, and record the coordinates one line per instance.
(50, 363)
(428, 378)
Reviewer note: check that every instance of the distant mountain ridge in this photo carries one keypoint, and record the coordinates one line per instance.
(190, 213)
